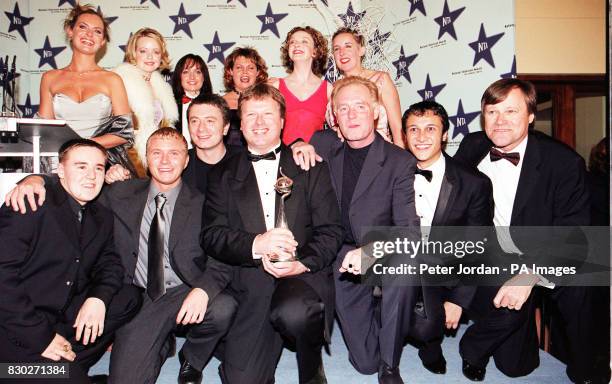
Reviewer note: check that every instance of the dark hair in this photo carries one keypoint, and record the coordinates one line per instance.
(247, 53)
(86, 9)
(421, 108)
(188, 61)
(78, 143)
(498, 91)
(166, 132)
(319, 63)
(213, 100)
(261, 91)
(599, 160)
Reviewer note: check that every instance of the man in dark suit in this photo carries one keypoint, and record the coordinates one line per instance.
(373, 181)
(60, 277)
(446, 194)
(284, 301)
(537, 181)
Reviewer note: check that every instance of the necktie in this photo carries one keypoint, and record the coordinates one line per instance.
(513, 157)
(266, 156)
(155, 267)
(427, 174)
(186, 99)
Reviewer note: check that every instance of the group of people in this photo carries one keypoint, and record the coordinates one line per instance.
(193, 248)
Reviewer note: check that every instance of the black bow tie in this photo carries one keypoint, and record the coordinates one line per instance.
(513, 157)
(266, 156)
(427, 174)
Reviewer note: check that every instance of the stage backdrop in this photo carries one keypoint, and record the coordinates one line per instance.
(447, 50)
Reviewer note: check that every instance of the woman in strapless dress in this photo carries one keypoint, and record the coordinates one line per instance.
(92, 100)
(304, 56)
(348, 49)
(243, 68)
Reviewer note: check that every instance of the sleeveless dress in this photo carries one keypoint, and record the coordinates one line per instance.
(303, 117)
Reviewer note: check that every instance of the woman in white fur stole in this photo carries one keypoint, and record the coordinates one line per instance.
(150, 97)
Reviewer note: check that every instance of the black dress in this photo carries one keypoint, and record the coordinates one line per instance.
(234, 135)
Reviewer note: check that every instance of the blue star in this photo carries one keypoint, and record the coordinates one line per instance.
(512, 73)
(447, 20)
(18, 22)
(182, 21)
(417, 5)
(462, 120)
(71, 2)
(28, 109)
(482, 46)
(402, 64)
(243, 2)
(350, 18)
(330, 74)
(155, 2)
(4, 68)
(269, 20)
(123, 46)
(47, 54)
(430, 91)
(109, 19)
(216, 49)
(377, 41)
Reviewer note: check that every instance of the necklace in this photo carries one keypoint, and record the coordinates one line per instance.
(82, 73)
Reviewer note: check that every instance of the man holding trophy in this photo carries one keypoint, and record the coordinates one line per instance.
(279, 226)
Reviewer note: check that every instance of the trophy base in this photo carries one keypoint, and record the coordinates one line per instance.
(277, 258)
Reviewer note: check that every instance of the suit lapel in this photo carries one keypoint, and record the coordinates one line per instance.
(291, 171)
(246, 193)
(371, 167)
(528, 179)
(336, 166)
(446, 197)
(181, 212)
(130, 209)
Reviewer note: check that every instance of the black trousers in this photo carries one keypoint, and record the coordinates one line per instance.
(121, 309)
(297, 319)
(427, 329)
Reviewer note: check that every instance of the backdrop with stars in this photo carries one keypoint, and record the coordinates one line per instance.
(447, 50)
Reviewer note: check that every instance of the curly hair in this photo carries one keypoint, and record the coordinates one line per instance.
(130, 49)
(319, 63)
(250, 54)
(86, 9)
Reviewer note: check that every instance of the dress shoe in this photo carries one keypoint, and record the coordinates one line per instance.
(438, 367)
(188, 374)
(388, 375)
(98, 379)
(319, 377)
(473, 372)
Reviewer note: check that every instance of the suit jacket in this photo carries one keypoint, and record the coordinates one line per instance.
(45, 262)
(234, 216)
(127, 201)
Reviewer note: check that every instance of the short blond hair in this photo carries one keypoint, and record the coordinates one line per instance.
(168, 133)
(354, 80)
(130, 49)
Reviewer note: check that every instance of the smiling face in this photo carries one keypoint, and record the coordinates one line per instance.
(347, 53)
(424, 137)
(355, 111)
(148, 54)
(301, 46)
(507, 122)
(244, 73)
(192, 77)
(206, 126)
(87, 35)
(166, 159)
(261, 124)
(81, 173)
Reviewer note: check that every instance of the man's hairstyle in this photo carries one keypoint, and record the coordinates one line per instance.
(213, 100)
(130, 49)
(168, 132)
(186, 62)
(357, 80)
(250, 54)
(86, 9)
(261, 91)
(78, 143)
(498, 91)
(321, 50)
(421, 108)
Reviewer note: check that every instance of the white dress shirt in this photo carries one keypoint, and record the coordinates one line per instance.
(427, 193)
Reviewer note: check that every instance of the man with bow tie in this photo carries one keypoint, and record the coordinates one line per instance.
(537, 181)
(279, 302)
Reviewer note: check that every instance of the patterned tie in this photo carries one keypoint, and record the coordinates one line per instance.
(513, 157)
(155, 268)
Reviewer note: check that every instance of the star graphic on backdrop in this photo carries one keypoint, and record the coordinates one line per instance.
(402, 64)
(269, 20)
(4, 68)
(71, 2)
(430, 91)
(512, 73)
(243, 2)
(109, 19)
(47, 53)
(28, 109)
(182, 21)
(447, 20)
(330, 74)
(155, 2)
(216, 49)
(123, 46)
(482, 46)
(417, 5)
(18, 22)
(377, 41)
(351, 18)
(462, 120)
(323, 1)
